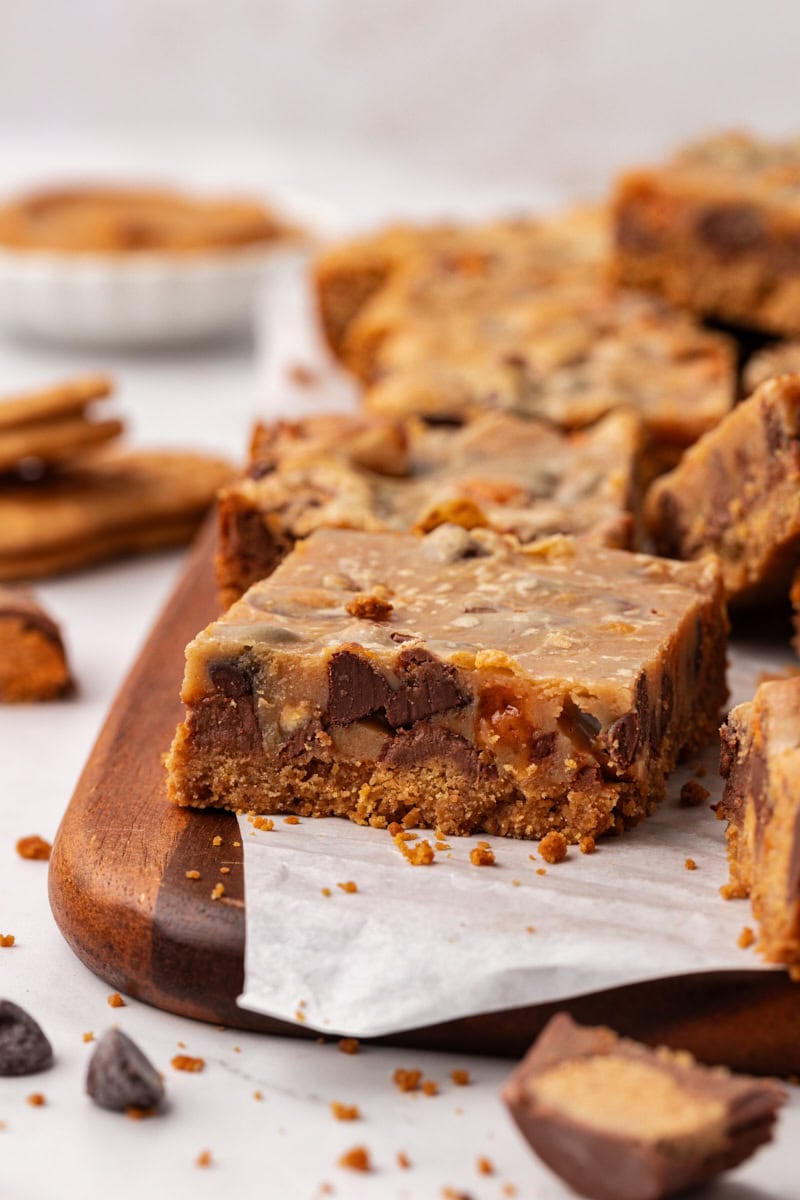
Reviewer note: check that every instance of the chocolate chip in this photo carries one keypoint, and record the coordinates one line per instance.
(731, 229)
(355, 688)
(418, 746)
(227, 718)
(24, 1049)
(541, 746)
(428, 686)
(120, 1076)
(670, 529)
(230, 679)
(622, 740)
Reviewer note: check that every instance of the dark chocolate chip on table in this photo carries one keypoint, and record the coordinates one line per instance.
(120, 1076)
(24, 1049)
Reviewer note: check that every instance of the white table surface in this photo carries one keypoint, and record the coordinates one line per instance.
(286, 1145)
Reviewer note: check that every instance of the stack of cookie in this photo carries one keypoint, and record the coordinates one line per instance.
(68, 498)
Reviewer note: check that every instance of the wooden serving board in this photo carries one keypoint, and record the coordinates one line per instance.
(119, 892)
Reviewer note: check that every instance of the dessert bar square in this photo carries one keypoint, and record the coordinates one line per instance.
(458, 680)
(735, 493)
(717, 228)
(617, 1120)
(354, 472)
(760, 762)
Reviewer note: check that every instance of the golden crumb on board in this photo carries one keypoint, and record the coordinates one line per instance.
(36, 1099)
(356, 1159)
(345, 1112)
(216, 841)
(88, 1036)
(553, 847)
(7, 940)
(34, 847)
(481, 856)
(291, 820)
(746, 938)
(403, 1161)
(187, 1062)
(407, 1080)
(192, 874)
(485, 1166)
(460, 1077)
(700, 771)
(349, 1045)
(587, 844)
(419, 855)
(237, 844)
(348, 887)
(203, 1159)
(218, 891)
(430, 1087)
(115, 1000)
(693, 794)
(134, 1113)
(690, 864)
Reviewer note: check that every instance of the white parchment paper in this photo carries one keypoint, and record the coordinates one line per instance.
(420, 945)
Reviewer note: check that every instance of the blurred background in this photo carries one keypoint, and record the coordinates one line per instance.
(386, 105)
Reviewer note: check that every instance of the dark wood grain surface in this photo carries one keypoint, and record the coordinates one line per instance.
(119, 892)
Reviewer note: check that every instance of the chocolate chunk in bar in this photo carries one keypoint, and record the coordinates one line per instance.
(24, 1049)
(735, 494)
(120, 1076)
(620, 1121)
(33, 663)
(717, 229)
(760, 761)
(501, 472)
(508, 688)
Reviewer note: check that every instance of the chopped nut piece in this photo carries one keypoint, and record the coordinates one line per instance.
(349, 1045)
(407, 1080)
(356, 1159)
(186, 1062)
(481, 856)
(587, 844)
(369, 607)
(460, 1077)
(345, 1112)
(7, 940)
(348, 887)
(34, 847)
(115, 1000)
(693, 794)
(553, 847)
(36, 1099)
(746, 938)
(690, 864)
(192, 874)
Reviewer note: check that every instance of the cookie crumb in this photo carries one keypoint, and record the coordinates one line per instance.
(407, 1080)
(349, 1045)
(258, 1095)
(441, 845)
(34, 847)
(7, 940)
(690, 864)
(430, 1087)
(203, 1159)
(419, 855)
(530, 929)
(356, 1159)
(88, 1036)
(553, 847)
(345, 1112)
(115, 1000)
(693, 794)
(218, 891)
(509, 1189)
(36, 1099)
(326, 891)
(216, 841)
(192, 874)
(186, 1062)
(403, 1161)
(224, 870)
(485, 1166)
(291, 820)
(481, 856)
(134, 1113)
(746, 938)
(587, 844)
(301, 374)
(541, 871)
(394, 829)
(460, 1077)
(265, 824)
(348, 887)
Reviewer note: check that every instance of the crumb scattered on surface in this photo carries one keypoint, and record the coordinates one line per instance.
(485, 1166)
(587, 844)
(187, 1062)
(395, 829)
(7, 940)
(258, 1095)
(746, 938)
(34, 847)
(407, 1079)
(460, 1077)
(216, 841)
(349, 1045)
(88, 1036)
(419, 855)
(192, 874)
(690, 864)
(509, 1189)
(303, 375)
(299, 1015)
(224, 870)
(541, 871)
(348, 887)
(134, 1113)
(326, 891)
(453, 1194)
(115, 1000)
(218, 891)
(265, 824)
(36, 1099)
(530, 929)
(430, 1087)
(693, 794)
(403, 1161)
(356, 1159)
(291, 820)
(237, 844)
(345, 1112)
(442, 845)
(367, 606)
(203, 1159)
(553, 847)
(516, 883)
(481, 856)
